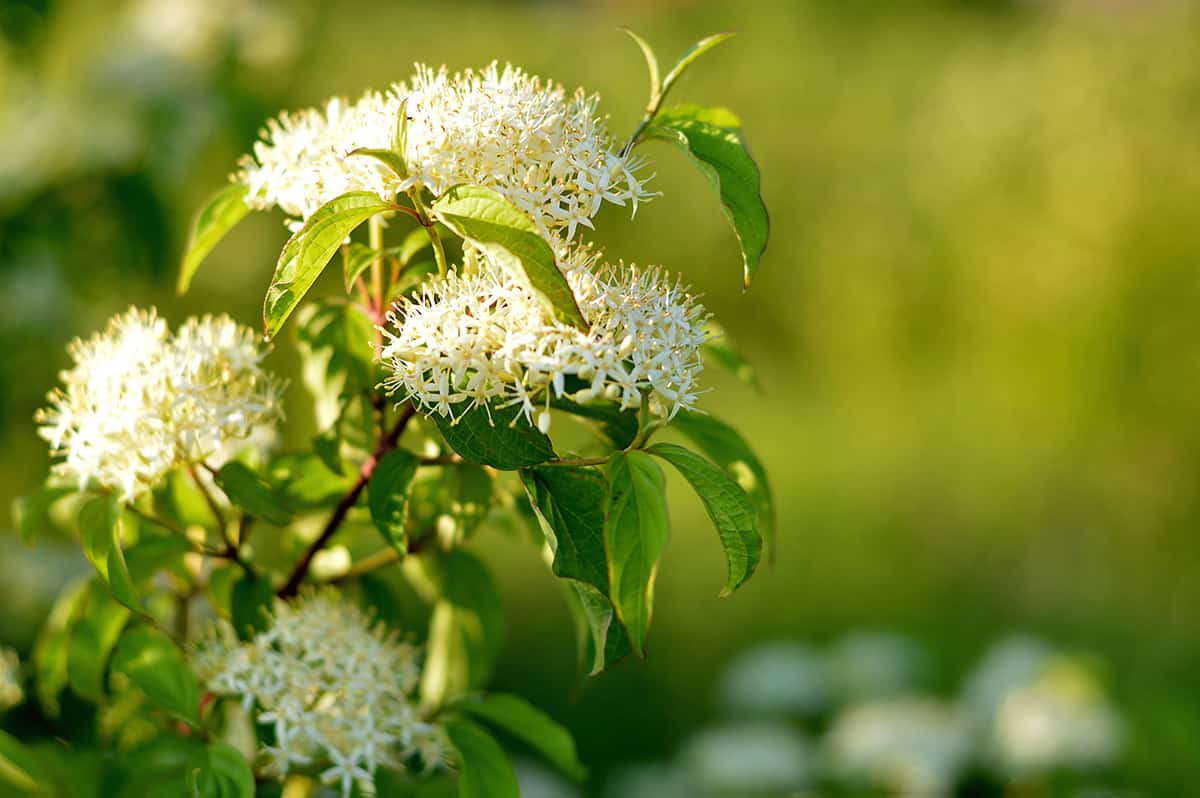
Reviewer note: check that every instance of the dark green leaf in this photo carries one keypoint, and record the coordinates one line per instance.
(217, 217)
(467, 626)
(499, 437)
(100, 529)
(512, 242)
(245, 489)
(486, 771)
(328, 447)
(387, 496)
(728, 506)
(251, 605)
(91, 641)
(635, 534)
(220, 771)
(529, 724)
(30, 512)
(723, 445)
(713, 137)
(24, 769)
(50, 651)
(695, 51)
(308, 251)
(159, 669)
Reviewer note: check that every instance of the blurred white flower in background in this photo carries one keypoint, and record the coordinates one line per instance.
(338, 690)
(202, 32)
(871, 664)
(650, 780)
(909, 746)
(776, 679)
(748, 759)
(139, 402)
(480, 336)
(11, 693)
(537, 781)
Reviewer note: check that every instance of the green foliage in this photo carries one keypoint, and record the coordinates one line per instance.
(307, 252)
(50, 650)
(100, 530)
(727, 448)
(461, 492)
(512, 241)
(635, 533)
(158, 668)
(251, 603)
(305, 482)
(91, 640)
(22, 769)
(253, 494)
(713, 137)
(217, 216)
(387, 496)
(220, 771)
(728, 507)
(30, 512)
(529, 724)
(486, 771)
(496, 436)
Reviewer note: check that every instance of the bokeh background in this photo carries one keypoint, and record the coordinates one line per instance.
(975, 329)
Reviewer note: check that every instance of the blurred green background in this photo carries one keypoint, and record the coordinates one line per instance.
(976, 326)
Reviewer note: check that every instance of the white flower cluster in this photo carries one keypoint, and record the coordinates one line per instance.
(337, 690)
(478, 336)
(11, 693)
(547, 152)
(139, 402)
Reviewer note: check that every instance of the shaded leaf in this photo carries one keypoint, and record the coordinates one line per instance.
(220, 771)
(635, 533)
(619, 427)
(713, 137)
(728, 506)
(100, 530)
(251, 493)
(158, 668)
(49, 656)
(486, 771)
(499, 437)
(303, 482)
(30, 512)
(387, 496)
(529, 724)
(91, 642)
(511, 240)
(251, 603)
(719, 347)
(217, 216)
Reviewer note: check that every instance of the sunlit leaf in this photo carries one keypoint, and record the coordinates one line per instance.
(100, 530)
(217, 217)
(159, 669)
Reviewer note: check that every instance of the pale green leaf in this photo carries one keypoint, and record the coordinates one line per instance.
(511, 240)
(217, 217)
(687, 59)
(651, 63)
(251, 493)
(50, 650)
(100, 529)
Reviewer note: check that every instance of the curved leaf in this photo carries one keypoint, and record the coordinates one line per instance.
(529, 724)
(100, 529)
(387, 496)
(486, 771)
(713, 137)
(687, 59)
(635, 533)
(158, 668)
(511, 240)
(728, 507)
(217, 217)
(220, 771)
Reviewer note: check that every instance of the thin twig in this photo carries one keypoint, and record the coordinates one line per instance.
(386, 444)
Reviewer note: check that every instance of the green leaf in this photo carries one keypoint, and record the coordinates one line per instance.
(359, 258)
(414, 243)
(651, 63)
(23, 768)
(308, 251)
(499, 437)
(601, 640)
(303, 482)
(453, 498)
(466, 629)
(251, 604)
(529, 724)
(30, 512)
(387, 496)
(687, 59)
(713, 137)
(719, 347)
(728, 506)
(723, 445)
(220, 771)
(91, 642)
(50, 650)
(154, 553)
(248, 491)
(100, 529)
(343, 333)
(486, 771)
(392, 160)
(635, 533)
(511, 240)
(159, 669)
(217, 217)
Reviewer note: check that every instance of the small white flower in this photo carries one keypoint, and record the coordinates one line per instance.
(140, 402)
(337, 689)
(547, 152)
(11, 693)
(478, 336)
